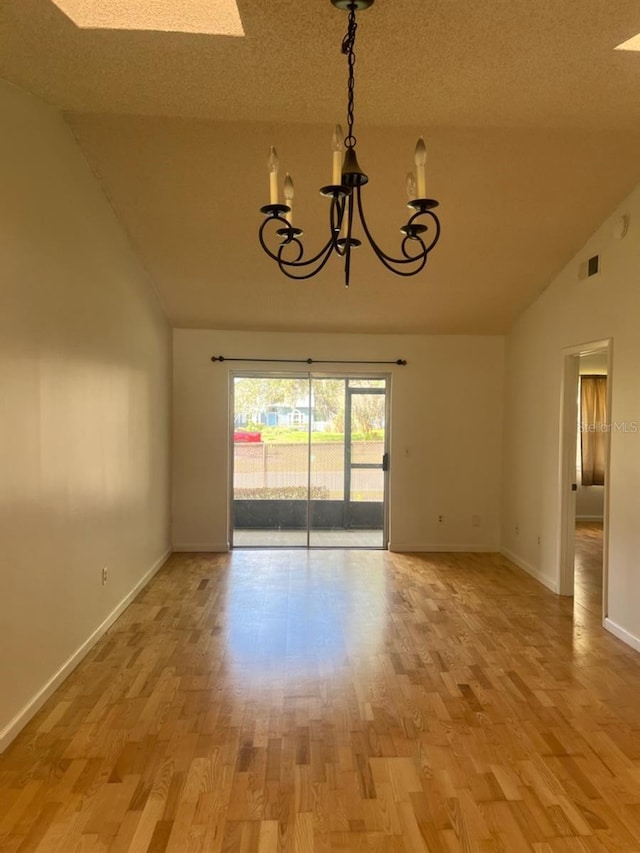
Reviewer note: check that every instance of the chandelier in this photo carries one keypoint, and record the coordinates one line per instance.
(345, 195)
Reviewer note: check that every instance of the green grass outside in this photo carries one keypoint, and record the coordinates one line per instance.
(286, 435)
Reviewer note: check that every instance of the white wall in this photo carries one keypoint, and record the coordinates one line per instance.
(445, 431)
(85, 375)
(589, 501)
(569, 313)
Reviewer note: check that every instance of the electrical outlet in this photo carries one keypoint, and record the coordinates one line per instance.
(441, 519)
(105, 575)
(539, 540)
(476, 521)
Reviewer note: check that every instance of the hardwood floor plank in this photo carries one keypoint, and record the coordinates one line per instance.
(276, 702)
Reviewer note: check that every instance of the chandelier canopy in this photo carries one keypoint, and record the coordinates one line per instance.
(345, 195)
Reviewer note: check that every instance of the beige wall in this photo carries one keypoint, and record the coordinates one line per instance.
(572, 312)
(445, 431)
(84, 409)
(589, 502)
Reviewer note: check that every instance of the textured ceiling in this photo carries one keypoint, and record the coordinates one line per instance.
(531, 118)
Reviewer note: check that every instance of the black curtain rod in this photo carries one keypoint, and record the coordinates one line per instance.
(399, 361)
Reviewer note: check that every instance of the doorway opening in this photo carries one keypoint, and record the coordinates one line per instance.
(309, 461)
(585, 476)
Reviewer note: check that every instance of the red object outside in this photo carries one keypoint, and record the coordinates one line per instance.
(247, 436)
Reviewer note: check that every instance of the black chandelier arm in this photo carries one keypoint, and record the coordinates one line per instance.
(289, 236)
(341, 244)
(381, 254)
(348, 244)
(423, 257)
(271, 218)
(297, 262)
(436, 233)
(336, 212)
(285, 265)
(389, 261)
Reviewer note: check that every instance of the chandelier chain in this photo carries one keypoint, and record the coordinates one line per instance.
(348, 49)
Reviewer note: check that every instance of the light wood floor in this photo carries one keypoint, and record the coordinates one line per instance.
(588, 566)
(336, 701)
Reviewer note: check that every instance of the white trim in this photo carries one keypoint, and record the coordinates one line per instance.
(590, 518)
(403, 547)
(622, 634)
(13, 728)
(530, 570)
(567, 473)
(588, 348)
(209, 547)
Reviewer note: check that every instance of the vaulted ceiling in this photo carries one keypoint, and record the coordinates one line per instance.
(531, 118)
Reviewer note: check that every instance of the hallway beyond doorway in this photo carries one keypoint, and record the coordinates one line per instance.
(588, 566)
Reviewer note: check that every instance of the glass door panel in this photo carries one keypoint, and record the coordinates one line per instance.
(366, 505)
(367, 485)
(308, 457)
(327, 463)
(270, 461)
(366, 428)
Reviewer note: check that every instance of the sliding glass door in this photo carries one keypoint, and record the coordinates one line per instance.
(270, 461)
(309, 461)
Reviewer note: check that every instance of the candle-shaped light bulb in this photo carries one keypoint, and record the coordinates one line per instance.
(273, 164)
(288, 197)
(420, 159)
(412, 190)
(338, 147)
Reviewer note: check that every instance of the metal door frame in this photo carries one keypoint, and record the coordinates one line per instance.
(348, 464)
(309, 376)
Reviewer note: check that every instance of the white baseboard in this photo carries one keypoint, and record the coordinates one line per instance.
(13, 728)
(208, 548)
(589, 518)
(403, 547)
(622, 634)
(530, 570)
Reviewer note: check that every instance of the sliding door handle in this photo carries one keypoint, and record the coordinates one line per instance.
(385, 462)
